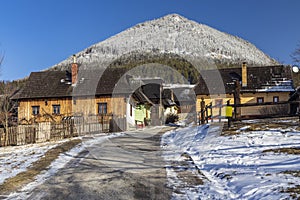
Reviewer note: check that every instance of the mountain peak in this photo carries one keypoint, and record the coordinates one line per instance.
(174, 34)
(174, 17)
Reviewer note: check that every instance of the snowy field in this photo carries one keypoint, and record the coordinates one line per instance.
(16, 159)
(235, 166)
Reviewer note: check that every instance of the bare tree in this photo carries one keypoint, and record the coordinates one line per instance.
(296, 54)
(1, 59)
(7, 106)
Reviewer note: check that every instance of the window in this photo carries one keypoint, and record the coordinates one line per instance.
(276, 99)
(35, 110)
(102, 108)
(56, 109)
(260, 100)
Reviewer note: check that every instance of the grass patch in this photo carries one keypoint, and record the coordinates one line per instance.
(293, 191)
(14, 183)
(295, 151)
(280, 124)
(294, 173)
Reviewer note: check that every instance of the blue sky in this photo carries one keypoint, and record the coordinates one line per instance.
(36, 34)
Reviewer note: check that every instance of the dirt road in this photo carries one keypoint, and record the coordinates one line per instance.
(126, 167)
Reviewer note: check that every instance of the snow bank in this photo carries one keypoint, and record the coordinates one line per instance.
(235, 166)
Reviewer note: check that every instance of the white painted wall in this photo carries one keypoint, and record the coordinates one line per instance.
(130, 119)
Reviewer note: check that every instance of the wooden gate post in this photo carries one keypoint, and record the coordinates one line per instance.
(220, 113)
(237, 99)
(202, 111)
(211, 112)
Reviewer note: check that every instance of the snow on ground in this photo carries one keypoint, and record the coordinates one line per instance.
(235, 166)
(14, 160)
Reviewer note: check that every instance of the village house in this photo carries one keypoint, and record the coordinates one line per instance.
(246, 85)
(91, 96)
(183, 101)
(99, 95)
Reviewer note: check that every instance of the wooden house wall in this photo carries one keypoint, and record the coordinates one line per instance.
(89, 106)
(46, 108)
(115, 105)
(245, 98)
(69, 107)
(84, 106)
(267, 96)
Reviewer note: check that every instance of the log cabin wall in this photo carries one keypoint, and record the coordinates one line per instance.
(83, 106)
(87, 106)
(46, 106)
(115, 105)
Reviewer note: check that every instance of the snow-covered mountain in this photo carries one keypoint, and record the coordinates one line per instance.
(172, 34)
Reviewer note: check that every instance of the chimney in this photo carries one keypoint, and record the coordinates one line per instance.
(244, 74)
(74, 70)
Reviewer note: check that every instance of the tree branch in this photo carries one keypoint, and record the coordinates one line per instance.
(296, 54)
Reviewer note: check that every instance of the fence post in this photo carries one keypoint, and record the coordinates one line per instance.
(211, 112)
(206, 113)
(71, 128)
(220, 113)
(102, 122)
(202, 111)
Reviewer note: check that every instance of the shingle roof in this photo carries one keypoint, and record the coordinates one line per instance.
(101, 82)
(52, 84)
(44, 85)
(259, 79)
(113, 80)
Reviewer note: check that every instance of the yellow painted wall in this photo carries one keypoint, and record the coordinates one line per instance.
(268, 97)
(212, 99)
(245, 98)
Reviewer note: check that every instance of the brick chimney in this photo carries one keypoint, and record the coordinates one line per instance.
(244, 74)
(74, 70)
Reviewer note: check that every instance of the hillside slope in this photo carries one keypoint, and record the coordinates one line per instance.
(176, 35)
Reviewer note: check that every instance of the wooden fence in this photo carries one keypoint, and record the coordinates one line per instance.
(216, 113)
(47, 131)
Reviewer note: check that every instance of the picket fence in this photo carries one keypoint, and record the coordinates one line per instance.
(47, 131)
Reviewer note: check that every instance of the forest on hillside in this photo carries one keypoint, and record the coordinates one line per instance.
(172, 68)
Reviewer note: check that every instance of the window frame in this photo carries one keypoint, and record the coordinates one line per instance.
(275, 99)
(102, 106)
(55, 108)
(258, 99)
(35, 110)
